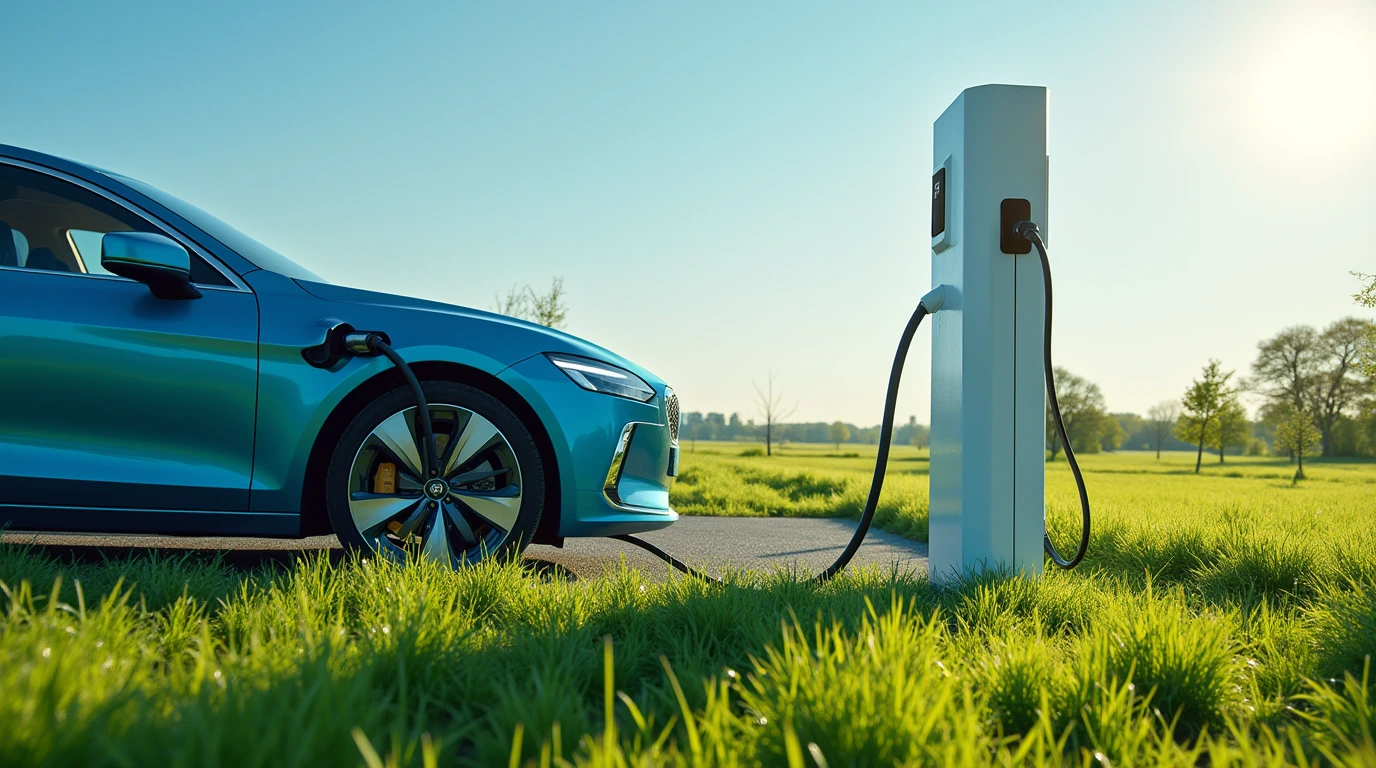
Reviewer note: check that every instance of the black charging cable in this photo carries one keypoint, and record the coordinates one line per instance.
(876, 485)
(367, 343)
(1029, 230)
(1025, 229)
(674, 562)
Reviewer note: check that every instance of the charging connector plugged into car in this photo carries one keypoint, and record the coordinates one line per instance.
(343, 341)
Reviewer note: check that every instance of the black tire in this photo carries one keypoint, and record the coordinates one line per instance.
(513, 457)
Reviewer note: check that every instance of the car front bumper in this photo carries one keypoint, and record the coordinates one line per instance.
(616, 458)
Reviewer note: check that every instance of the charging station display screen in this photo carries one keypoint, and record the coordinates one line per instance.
(938, 202)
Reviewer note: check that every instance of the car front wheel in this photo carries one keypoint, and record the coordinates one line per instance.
(485, 502)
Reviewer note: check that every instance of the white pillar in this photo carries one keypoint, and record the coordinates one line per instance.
(988, 429)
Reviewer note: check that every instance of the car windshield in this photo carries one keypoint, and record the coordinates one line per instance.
(257, 253)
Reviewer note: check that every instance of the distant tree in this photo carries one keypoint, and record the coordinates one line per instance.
(904, 434)
(1340, 385)
(513, 304)
(1285, 366)
(1369, 428)
(1321, 373)
(839, 433)
(1163, 417)
(1233, 429)
(1351, 435)
(548, 309)
(690, 428)
(1082, 410)
(1203, 401)
(920, 436)
(1131, 423)
(1366, 297)
(772, 410)
(1270, 416)
(714, 427)
(1112, 434)
(1298, 435)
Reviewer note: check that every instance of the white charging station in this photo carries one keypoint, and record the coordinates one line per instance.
(988, 431)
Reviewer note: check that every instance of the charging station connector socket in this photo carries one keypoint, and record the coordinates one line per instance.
(1013, 211)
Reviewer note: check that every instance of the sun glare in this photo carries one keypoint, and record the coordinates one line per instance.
(1311, 86)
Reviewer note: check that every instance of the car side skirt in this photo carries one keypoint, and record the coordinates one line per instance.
(174, 522)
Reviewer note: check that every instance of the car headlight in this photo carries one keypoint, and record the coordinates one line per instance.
(602, 377)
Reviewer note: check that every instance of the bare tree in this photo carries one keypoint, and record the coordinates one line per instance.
(772, 410)
(1339, 386)
(525, 303)
(514, 304)
(1284, 368)
(1319, 373)
(548, 308)
(1163, 417)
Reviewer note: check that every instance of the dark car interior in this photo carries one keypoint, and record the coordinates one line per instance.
(53, 226)
(39, 224)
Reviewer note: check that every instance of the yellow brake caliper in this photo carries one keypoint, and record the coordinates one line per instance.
(385, 481)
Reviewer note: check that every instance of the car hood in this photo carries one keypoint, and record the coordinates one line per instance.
(541, 338)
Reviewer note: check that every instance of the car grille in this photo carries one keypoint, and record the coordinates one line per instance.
(671, 412)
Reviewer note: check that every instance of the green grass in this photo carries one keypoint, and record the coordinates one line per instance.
(818, 481)
(1219, 620)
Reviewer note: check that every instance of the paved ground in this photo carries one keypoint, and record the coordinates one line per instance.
(712, 542)
(758, 543)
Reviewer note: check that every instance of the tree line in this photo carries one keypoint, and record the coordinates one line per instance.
(1316, 389)
(718, 426)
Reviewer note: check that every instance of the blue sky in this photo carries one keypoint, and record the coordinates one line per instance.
(733, 187)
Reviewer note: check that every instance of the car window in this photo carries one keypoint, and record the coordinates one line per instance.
(86, 243)
(21, 246)
(56, 226)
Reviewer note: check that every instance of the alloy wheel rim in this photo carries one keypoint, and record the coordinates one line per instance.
(473, 513)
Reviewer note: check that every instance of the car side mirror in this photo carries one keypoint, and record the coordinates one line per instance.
(157, 262)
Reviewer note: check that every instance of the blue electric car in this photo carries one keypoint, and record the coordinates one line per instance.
(161, 372)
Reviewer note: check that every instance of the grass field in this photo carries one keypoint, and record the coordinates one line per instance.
(820, 481)
(1220, 619)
